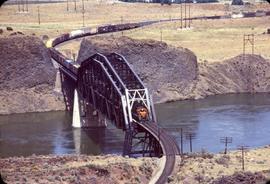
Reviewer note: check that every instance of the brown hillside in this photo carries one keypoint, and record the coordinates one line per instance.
(169, 73)
(237, 75)
(27, 76)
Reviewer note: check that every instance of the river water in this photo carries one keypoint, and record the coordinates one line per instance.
(244, 117)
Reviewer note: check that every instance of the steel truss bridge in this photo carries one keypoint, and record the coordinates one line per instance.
(106, 89)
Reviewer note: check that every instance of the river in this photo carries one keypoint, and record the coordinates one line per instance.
(244, 117)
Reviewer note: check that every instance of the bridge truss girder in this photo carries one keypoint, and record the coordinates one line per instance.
(96, 86)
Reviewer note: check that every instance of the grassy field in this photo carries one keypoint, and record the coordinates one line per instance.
(210, 40)
(213, 40)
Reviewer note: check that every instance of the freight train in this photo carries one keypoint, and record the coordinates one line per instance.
(88, 32)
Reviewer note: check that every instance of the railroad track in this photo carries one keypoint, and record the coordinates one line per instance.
(169, 148)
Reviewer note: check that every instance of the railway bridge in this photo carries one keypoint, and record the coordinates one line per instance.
(105, 89)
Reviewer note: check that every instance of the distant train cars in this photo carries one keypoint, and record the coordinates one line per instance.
(92, 31)
(117, 27)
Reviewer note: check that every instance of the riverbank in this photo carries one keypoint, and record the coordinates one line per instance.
(194, 168)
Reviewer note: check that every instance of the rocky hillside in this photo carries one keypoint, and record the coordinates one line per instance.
(27, 76)
(236, 75)
(169, 73)
(174, 74)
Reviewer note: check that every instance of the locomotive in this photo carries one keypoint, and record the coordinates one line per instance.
(140, 112)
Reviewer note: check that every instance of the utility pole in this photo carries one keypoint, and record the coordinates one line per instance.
(182, 147)
(243, 149)
(82, 5)
(83, 17)
(189, 20)
(19, 7)
(248, 39)
(27, 5)
(226, 140)
(38, 16)
(185, 14)
(190, 136)
(122, 20)
(75, 5)
(161, 35)
(67, 6)
(181, 15)
(22, 5)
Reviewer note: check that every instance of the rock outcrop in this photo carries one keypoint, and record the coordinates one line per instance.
(27, 76)
(241, 74)
(173, 73)
(169, 73)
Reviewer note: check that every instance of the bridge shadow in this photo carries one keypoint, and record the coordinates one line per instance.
(97, 141)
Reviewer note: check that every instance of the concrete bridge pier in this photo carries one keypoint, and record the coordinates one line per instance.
(84, 115)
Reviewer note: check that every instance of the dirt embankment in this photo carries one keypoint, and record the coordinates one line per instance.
(174, 74)
(77, 169)
(241, 74)
(169, 73)
(27, 76)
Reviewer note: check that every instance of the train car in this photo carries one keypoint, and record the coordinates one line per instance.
(117, 27)
(260, 13)
(249, 14)
(106, 29)
(63, 60)
(60, 39)
(76, 33)
(237, 15)
(213, 17)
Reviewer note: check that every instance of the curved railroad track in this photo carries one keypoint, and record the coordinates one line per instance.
(169, 148)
